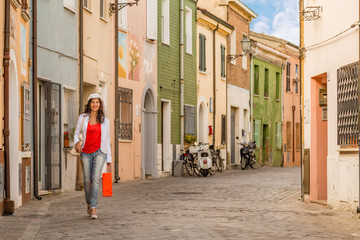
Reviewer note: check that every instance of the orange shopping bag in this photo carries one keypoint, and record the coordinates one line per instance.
(107, 185)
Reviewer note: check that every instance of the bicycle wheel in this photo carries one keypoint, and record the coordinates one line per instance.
(212, 170)
(195, 167)
(188, 166)
(220, 164)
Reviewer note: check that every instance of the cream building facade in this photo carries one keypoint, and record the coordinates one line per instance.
(331, 56)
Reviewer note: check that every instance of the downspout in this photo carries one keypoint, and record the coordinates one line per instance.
(358, 208)
(9, 206)
(81, 80)
(182, 130)
(35, 104)
(301, 50)
(251, 97)
(214, 82)
(116, 88)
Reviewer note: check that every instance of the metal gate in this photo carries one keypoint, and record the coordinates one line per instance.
(232, 135)
(53, 136)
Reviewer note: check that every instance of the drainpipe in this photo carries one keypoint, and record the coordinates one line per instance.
(214, 82)
(182, 130)
(293, 134)
(116, 88)
(301, 58)
(35, 109)
(251, 98)
(9, 206)
(81, 79)
(358, 208)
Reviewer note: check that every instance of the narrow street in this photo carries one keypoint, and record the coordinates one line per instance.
(253, 204)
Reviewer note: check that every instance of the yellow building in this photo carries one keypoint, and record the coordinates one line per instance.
(211, 47)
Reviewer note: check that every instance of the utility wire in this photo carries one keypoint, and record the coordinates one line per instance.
(329, 39)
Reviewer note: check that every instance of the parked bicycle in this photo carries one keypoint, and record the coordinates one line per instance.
(217, 160)
(190, 163)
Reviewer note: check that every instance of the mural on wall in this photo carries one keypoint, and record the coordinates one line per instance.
(122, 55)
(134, 58)
(149, 62)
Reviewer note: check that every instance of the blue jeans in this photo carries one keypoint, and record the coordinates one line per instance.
(92, 164)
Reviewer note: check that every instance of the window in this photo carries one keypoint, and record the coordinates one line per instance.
(165, 21)
(151, 19)
(190, 120)
(256, 79)
(188, 30)
(266, 83)
(277, 85)
(256, 132)
(288, 136)
(223, 71)
(202, 52)
(122, 17)
(278, 135)
(296, 78)
(70, 4)
(244, 58)
(288, 87)
(223, 129)
(125, 125)
(233, 46)
(102, 8)
(298, 137)
(87, 4)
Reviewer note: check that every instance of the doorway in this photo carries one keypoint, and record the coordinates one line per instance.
(266, 145)
(165, 136)
(149, 135)
(49, 116)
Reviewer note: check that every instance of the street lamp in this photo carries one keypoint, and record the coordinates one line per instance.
(118, 6)
(245, 45)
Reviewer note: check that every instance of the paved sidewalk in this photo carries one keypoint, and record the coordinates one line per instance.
(252, 204)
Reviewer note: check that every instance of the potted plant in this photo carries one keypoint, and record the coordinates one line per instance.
(190, 139)
(66, 139)
(71, 138)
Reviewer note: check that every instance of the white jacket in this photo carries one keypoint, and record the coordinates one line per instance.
(105, 134)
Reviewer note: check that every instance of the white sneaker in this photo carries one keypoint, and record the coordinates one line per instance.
(93, 213)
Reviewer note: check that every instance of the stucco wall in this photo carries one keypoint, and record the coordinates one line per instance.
(327, 58)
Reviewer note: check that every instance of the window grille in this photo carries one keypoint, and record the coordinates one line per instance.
(347, 104)
(126, 113)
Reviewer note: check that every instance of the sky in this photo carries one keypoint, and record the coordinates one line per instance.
(279, 18)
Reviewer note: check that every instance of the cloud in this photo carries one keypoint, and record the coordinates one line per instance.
(285, 23)
(277, 18)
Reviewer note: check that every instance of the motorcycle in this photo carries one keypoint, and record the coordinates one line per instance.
(204, 160)
(247, 154)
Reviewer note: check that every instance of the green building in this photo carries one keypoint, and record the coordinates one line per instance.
(175, 72)
(266, 99)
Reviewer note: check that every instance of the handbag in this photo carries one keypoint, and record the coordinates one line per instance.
(107, 184)
(73, 150)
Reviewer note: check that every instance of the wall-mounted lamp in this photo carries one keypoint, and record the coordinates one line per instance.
(245, 45)
(120, 6)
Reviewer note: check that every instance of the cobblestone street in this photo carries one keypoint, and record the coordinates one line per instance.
(252, 204)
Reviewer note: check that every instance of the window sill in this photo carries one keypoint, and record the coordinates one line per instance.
(266, 97)
(189, 53)
(256, 95)
(88, 10)
(348, 149)
(125, 141)
(165, 44)
(153, 41)
(103, 19)
(70, 9)
(278, 100)
(122, 29)
(203, 73)
(223, 78)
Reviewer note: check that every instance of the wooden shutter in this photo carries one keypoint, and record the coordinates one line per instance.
(202, 53)
(223, 128)
(190, 120)
(122, 20)
(257, 124)
(288, 136)
(151, 26)
(188, 30)
(222, 47)
(166, 21)
(298, 137)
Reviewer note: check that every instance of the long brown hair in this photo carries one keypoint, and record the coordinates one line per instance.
(101, 115)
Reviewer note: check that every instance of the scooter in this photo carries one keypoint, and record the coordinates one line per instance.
(247, 154)
(204, 159)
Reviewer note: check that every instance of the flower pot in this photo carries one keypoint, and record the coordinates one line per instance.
(66, 143)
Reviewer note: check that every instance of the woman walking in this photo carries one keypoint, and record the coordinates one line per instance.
(95, 149)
